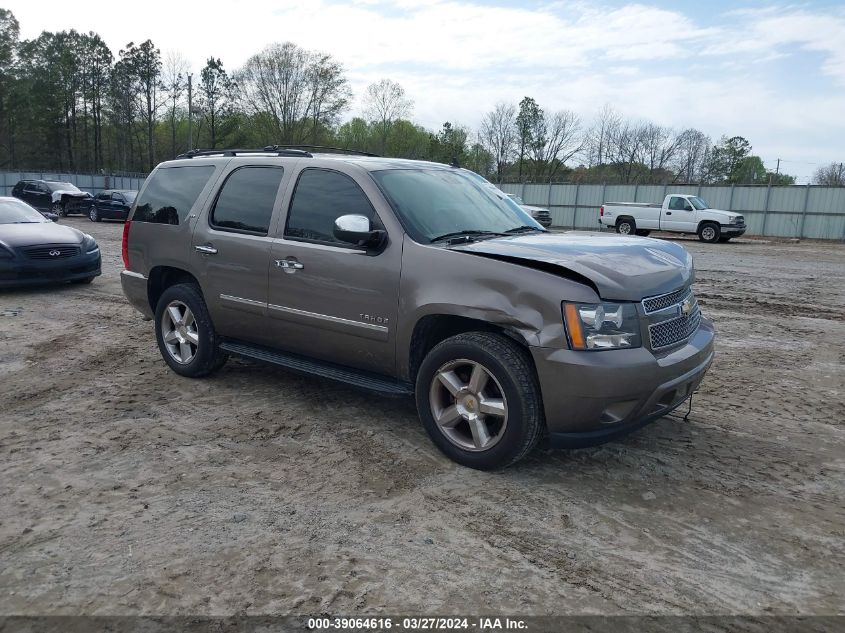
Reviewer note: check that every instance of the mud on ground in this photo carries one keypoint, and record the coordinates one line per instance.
(126, 489)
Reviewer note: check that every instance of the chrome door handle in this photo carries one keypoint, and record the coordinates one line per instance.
(289, 264)
(208, 250)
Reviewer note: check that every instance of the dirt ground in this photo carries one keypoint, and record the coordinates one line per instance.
(126, 489)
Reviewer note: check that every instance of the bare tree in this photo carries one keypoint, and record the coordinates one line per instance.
(832, 175)
(498, 135)
(598, 137)
(625, 147)
(174, 79)
(659, 146)
(692, 156)
(289, 86)
(384, 103)
(557, 139)
(330, 93)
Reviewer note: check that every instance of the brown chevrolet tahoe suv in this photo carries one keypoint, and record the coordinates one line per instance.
(409, 278)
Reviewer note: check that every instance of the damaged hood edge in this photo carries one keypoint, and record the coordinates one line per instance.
(617, 268)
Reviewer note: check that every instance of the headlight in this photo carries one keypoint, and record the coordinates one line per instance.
(598, 326)
(89, 244)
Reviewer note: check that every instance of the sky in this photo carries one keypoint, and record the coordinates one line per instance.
(771, 72)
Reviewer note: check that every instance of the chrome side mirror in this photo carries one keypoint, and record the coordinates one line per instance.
(355, 229)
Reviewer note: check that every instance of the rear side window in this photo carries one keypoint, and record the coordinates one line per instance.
(171, 193)
(320, 198)
(245, 202)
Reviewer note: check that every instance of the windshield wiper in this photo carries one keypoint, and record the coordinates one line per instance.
(524, 228)
(469, 235)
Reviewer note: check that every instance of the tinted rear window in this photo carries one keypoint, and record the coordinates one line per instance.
(171, 193)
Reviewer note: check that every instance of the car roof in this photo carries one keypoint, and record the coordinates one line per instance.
(368, 163)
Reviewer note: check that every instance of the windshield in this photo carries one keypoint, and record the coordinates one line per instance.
(17, 212)
(698, 203)
(436, 202)
(61, 186)
(515, 198)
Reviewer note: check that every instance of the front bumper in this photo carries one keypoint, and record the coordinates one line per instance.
(733, 230)
(135, 288)
(78, 205)
(19, 272)
(593, 397)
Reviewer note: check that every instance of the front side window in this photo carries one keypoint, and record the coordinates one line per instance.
(320, 198)
(170, 194)
(246, 200)
(677, 204)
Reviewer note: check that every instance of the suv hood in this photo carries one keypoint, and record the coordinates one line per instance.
(57, 195)
(620, 268)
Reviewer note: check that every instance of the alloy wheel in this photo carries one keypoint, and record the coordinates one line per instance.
(708, 233)
(179, 332)
(625, 228)
(468, 405)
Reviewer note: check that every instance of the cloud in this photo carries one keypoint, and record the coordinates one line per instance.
(728, 73)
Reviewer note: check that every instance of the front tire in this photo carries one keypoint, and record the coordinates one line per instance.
(626, 226)
(59, 209)
(479, 400)
(94, 215)
(185, 334)
(709, 232)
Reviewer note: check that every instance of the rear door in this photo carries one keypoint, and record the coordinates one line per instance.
(328, 299)
(679, 215)
(38, 196)
(231, 249)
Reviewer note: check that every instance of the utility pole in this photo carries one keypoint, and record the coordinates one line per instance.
(190, 107)
(777, 169)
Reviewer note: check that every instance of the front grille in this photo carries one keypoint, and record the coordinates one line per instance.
(51, 252)
(542, 214)
(661, 302)
(675, 330)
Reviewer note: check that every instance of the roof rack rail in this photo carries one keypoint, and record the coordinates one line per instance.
(320, 148)
(277, 151)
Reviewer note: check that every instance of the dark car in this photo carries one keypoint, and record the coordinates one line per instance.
(112, 204)
(34, 250)
(61, 198)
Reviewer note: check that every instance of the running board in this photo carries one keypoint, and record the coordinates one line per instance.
(311, 367)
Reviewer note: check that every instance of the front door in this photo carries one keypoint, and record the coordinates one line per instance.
(679, 216)
(329, 299)
(231, 251)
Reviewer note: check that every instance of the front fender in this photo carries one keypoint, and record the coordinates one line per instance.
(523, 300)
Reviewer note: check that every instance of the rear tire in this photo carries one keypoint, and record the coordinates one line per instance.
(488, 422)
(185, 334)
(709, 232)
(626, 226)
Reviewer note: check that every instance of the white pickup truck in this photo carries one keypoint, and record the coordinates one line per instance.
(679, 213)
